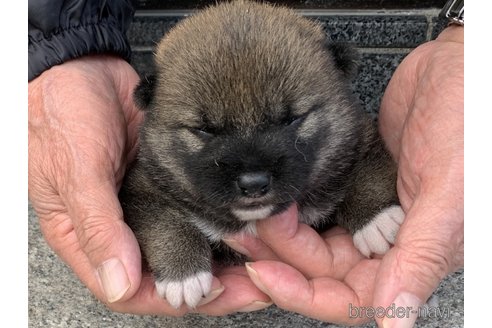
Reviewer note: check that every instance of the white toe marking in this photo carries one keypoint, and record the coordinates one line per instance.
(189, 290)
(377, 236)
(174, 293)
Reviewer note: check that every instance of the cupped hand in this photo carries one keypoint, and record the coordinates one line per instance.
(421, 120)
(82, 136)
(320, 276)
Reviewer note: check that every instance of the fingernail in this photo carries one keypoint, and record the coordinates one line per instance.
(211, 296)
(255, 306)
(237, 246)
(114, 279)
(254, 277)
(406, 310)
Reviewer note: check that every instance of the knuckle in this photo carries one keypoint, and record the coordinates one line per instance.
(97, 234)
(57, 230)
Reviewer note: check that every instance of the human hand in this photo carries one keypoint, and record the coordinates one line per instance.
(82, 134)
(319, 276)
(421, 120)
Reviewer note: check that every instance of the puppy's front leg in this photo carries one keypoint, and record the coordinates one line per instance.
(371, 209)
(177, 253)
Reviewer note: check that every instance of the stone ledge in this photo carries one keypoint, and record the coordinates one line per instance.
(393, 31)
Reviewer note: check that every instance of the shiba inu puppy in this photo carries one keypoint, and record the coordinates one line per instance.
(250, 110)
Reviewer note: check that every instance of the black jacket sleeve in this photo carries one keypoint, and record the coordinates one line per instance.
(60, 30)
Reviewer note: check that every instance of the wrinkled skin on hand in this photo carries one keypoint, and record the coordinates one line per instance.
(82, 136)
(421, 120)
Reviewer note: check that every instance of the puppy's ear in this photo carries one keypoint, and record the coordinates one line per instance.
(144, 92)
(345, 56)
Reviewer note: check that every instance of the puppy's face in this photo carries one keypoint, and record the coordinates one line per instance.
(247, 122)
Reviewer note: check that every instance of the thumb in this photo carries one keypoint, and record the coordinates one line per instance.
(429, 246)
(109, 244)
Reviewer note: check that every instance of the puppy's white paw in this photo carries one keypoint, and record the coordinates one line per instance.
(189, 290)
(377, 236)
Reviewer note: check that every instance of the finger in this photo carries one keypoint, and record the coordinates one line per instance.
(251, 246)
(105, 239)
(60, 234)
(240, 294)
(421, 258)
(322, 298)
(335, 231)
(303, 248)
(146, 300)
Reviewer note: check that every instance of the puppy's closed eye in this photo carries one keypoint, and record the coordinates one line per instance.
(204, 132)
(293, 120)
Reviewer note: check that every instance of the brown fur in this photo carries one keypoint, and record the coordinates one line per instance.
(245, 87)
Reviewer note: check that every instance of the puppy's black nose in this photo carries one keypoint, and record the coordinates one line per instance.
(254, 184)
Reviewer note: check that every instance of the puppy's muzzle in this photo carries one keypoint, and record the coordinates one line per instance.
(254, 184)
